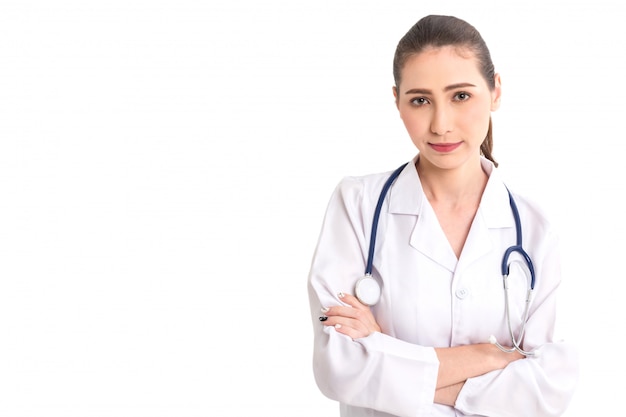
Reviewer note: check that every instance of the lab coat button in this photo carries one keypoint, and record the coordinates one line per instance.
(462, 293)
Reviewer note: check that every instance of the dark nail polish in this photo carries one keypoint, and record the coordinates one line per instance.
(324, 318)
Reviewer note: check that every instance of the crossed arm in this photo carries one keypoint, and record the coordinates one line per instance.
(456, 364)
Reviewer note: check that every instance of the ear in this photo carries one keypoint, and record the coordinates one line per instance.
(395, 96)
(496, 94)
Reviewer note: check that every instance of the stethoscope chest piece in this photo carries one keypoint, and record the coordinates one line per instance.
(367, 290)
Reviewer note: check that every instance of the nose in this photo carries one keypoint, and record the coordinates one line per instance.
(441, 122)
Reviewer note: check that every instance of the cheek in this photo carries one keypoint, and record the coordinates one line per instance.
(413, 122)
(476, 118)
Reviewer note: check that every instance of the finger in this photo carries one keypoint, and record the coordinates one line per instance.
(361, 321)
(345, 311)
(352, 301)
(353, 329)
(349, 327)
(341, 326)
(348, 299)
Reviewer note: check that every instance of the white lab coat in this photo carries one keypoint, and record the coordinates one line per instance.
(430, 299)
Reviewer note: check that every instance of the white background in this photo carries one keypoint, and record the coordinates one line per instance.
(165, 166)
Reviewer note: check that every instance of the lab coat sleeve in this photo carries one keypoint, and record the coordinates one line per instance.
(378, 371)
(539, 386)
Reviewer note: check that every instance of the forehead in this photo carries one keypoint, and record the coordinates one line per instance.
(441, 66)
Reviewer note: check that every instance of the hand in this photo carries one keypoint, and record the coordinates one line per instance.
(355, 320)
(502, 359)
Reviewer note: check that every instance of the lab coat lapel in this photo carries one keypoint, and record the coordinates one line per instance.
(407, 198)
(429, 239)
(478, 242)
(493, 212)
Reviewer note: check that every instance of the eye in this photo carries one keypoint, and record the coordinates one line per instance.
(461, 96)
(419, 101)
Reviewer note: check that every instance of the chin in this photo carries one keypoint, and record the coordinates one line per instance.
(451, 161)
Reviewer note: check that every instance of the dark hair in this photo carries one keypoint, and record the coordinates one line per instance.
(437, 31)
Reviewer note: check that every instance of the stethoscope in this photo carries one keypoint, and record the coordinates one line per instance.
(368, 290)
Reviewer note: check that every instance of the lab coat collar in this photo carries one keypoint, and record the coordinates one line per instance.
(495, 205)
(407, 197)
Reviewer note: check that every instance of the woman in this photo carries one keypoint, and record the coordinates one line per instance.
(445, 224)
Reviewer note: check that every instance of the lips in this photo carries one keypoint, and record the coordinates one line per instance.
(444, 147)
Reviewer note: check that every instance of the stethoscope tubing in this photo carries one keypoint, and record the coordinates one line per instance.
(517, 248)
(379, 206)
(518, 245)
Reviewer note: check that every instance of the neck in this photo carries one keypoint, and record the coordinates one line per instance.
(452, 186)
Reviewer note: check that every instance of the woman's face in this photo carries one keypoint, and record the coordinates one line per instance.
(445, 104)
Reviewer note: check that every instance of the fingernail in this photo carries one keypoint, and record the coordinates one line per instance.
(341, 295)
(323, 318)
(337, 326)
(325, 309)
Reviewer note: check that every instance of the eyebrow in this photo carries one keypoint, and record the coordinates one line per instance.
(447, 88)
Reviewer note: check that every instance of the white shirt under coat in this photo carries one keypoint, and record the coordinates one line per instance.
(432, 299)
